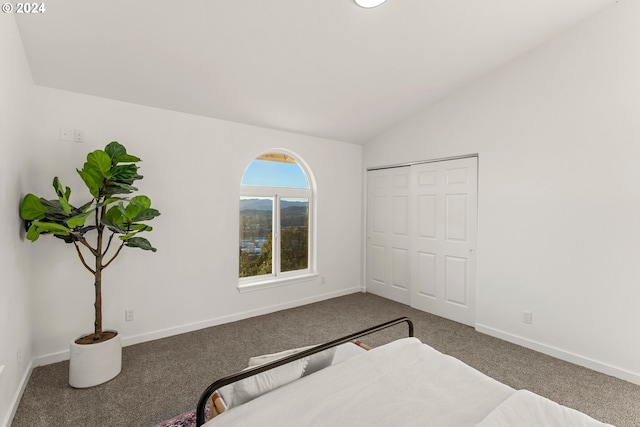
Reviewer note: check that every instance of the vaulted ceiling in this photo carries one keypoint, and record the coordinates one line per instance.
(325, 68)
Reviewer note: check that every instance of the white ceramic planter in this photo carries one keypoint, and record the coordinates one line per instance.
(93, 364)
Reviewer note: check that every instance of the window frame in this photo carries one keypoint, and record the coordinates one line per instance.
(277, 277)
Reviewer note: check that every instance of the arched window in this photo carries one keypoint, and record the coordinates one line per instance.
(276, 232)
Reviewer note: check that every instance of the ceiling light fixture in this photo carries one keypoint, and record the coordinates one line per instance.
(369, 3)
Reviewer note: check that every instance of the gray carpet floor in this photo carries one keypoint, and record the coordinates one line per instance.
(163, 378)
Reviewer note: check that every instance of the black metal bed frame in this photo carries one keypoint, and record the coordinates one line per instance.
(206, 394)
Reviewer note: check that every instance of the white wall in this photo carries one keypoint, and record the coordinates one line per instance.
(16, 102)
(558, 138)
(192, 168)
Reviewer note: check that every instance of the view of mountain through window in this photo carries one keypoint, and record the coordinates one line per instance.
(274, 217)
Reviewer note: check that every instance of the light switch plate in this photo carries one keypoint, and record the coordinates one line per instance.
(66, 134)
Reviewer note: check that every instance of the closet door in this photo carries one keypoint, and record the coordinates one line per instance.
(422, 234)
(443, 255)
(388, 233)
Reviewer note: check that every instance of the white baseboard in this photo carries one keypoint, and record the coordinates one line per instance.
(164, 333)
(190, 327)
(48, 359)
(13, 406)
(562, 354)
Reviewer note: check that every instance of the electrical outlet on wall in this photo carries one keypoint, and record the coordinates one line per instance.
(128, 315)
(78, 135)
(19, 357)
(527, 317)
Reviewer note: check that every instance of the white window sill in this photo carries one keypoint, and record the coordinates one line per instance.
(274, 282)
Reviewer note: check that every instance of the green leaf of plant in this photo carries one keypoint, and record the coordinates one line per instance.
(136, 205)
(140, 227)
(32, 208)
(58, 187)
(123, 211)
(109, 201)
(128, 158)
(99, 161)
(115, 228)
(125, 173)
(55, 212)
(140, 242)
(114, 149)
(118, 153)
(33, 233)
(51, 227)
(77, 221)
(113, 214)
(69, 238)
(142, 201)
(114, 220)
(118, 188)
(64, 201)
(146, 215)
(85, 207)
(80, 232)
(90, 182)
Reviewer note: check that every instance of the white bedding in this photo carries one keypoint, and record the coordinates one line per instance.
(526, 409)
(402, 384)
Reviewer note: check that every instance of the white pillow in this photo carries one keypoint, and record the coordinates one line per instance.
(266, 358)
(249, 388)
(315, 362)
(319, 361)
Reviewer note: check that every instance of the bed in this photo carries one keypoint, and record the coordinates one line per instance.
(403, 383)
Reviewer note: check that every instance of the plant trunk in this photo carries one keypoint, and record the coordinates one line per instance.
(98, 334)
(98, 276)
(98, 304)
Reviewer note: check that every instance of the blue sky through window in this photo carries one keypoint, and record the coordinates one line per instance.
(274, 174)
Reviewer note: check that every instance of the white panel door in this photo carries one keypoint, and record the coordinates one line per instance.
(388, 233)
(443, 260)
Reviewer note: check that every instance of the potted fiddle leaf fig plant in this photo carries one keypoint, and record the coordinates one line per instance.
(92, 229)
